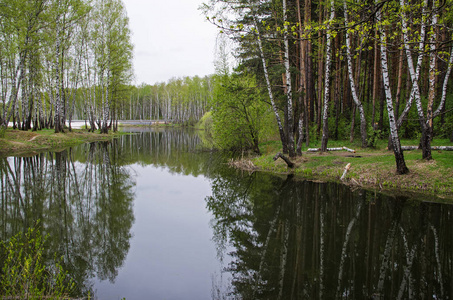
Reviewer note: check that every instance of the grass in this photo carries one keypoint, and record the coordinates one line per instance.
(372, 168)
(18, 142)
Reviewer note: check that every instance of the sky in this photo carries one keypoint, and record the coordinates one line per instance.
(171, 39)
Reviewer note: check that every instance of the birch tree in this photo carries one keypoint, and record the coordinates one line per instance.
(325, 126)
(19, 22)
(355, 97)
(425, 142)
(66, 14)
(401, 167)
(289, 93)
(283, 138)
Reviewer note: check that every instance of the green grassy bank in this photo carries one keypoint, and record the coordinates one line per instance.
(372, 168)
(18, 142)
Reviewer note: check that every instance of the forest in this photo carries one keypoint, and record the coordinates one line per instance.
(338, 70)
(62, 58)
(302, 71)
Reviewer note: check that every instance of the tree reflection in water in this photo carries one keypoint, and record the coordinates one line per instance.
(290, 239)
(304, 240)
(84, 208)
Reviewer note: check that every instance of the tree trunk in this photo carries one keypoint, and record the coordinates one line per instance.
(309, 86)
(301, 134)
(338, 88)
(16, 82)
(400, 83)
(432, 72)
(58, 107)
(426, 137)
(302, 79)
(401, 167)
(289, 95)
(351, 134)
(376, 85)
(355, 97)
(320, 70)
(286, 159)
(325, 127)
(269, 90)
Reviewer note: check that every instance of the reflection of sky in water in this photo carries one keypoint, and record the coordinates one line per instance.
(171, 254)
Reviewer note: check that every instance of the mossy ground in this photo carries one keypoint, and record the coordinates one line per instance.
(18, 142)
(370, 167)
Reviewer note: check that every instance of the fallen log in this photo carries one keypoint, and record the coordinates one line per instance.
(331, 149)
(445, 148)
(405, 148)
(286, 159)
(346, 169)
(349, 150)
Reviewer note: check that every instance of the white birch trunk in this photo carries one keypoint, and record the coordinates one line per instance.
(432, 70)
(106, 110)
(269, 88)
(41, 116)
(25, 101)
(444, 86)
(325, 127)
(355, 97)
(57, 119)
(414, 73)
(399, 157)
(425, 139)
(16, 83)
(289, 95)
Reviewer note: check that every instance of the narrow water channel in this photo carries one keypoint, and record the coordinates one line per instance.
(153, 216)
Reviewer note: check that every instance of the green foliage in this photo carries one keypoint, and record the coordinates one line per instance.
(443, 125)
(2, 132)
(206, 122)
(373, 137)
(240, 117)
(24, 274)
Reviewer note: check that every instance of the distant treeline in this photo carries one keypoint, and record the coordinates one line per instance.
(180, 100)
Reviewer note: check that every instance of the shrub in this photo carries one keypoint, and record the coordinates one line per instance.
(2, 132)
(24, 274)
(373, 137)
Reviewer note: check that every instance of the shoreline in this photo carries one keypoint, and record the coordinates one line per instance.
(24, 143)
(370, 169)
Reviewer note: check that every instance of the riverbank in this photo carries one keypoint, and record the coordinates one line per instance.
(18, 142)
(369, 168)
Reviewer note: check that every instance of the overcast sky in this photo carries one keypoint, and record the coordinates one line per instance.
(171, 39)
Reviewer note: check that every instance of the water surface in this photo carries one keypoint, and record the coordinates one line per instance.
(153, 216)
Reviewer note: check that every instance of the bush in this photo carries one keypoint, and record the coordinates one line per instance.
(24, 274)
(373, 137)
(205, 122)
(239, 116)
(2, 132)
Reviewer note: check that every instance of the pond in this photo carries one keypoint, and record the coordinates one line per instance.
(154, 216)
